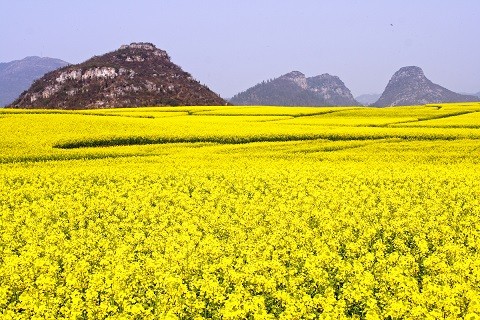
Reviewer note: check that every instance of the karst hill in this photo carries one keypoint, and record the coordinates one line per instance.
(135, 75)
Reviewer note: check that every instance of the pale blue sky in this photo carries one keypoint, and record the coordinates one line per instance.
(232, 45)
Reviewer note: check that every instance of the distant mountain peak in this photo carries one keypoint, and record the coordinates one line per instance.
(16, 76)
(325, 76)
(137, 74)
(410, 86)
(297, 77)
(368, 99)
(409, 71)
(139, 45)
(295, 89)
(136, 47)
(324, 80)
(293, 75)
(32, 58)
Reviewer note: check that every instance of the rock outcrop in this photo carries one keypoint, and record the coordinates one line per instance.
(294, 89)
(135, 75)
(409, 86)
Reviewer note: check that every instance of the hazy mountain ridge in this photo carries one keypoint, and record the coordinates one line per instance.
(18, 75)
(138, 67)
(138, 74)
(367, 99)
(410, 86)
(295, 89)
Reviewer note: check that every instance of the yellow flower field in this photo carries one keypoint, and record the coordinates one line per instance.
(240, 213)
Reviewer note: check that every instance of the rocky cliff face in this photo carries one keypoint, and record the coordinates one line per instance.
(138, 74)
(294, 89)
(409, 86)
(17, 76)
(331, 90)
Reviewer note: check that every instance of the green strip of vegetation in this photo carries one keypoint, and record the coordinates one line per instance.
(139, 140)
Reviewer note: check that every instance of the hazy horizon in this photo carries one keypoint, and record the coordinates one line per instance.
(233, 46)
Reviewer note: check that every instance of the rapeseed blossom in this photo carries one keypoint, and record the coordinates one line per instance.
(240, 213)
